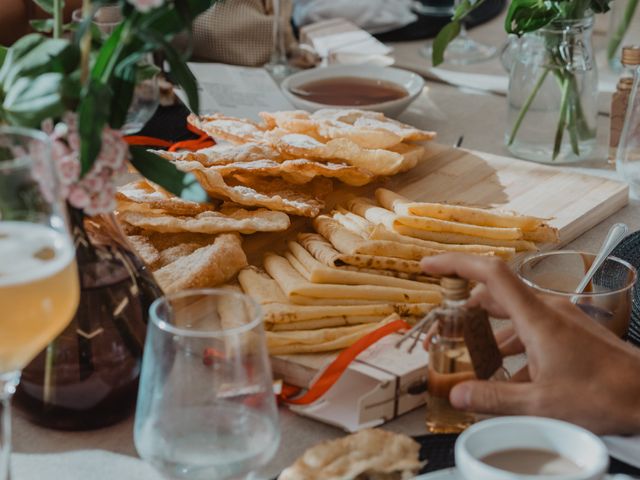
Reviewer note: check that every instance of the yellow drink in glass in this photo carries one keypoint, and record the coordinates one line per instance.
(39, 290)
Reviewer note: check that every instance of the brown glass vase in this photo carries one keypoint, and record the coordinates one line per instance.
(88, 376)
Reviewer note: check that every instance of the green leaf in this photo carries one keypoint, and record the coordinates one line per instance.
(57, 55)
(123, 86)
(179, 70)
(42, 26)
(31, 100)
(158, 169)
(526, 16)
(445, 36)
(107, 50)
(18, 50)
(46, 5)
(3, 54)
(93, 113)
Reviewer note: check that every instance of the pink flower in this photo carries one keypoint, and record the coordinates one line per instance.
(146, 5)
(95, 191)
(78, 197)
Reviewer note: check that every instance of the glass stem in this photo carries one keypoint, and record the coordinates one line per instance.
(8, 383)
(279, 55)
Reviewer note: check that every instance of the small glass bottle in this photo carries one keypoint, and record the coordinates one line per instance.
(620, 98)
(449, 358)
(628, 152)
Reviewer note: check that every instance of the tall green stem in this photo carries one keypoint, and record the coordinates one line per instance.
(620, 32)
(557, 144)
(527, 104)
(85, 44)
(57, 18)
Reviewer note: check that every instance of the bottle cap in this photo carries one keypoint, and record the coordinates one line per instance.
(454, 287)
(630, 55)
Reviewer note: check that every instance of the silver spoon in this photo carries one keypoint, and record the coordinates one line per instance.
(616, 233)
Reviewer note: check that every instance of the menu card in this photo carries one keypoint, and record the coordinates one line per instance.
(236, 91)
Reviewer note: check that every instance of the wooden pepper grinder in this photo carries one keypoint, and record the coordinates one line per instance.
(619, 101)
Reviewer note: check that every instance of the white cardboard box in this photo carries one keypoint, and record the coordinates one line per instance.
(381, 384)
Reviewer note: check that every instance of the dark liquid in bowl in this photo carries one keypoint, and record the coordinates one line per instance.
(350, 91)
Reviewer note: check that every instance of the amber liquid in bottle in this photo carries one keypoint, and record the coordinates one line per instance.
(449, 364)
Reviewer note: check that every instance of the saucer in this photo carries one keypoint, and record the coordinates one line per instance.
(453, 474)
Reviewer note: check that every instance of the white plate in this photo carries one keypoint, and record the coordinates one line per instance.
(452, 474)
(411, 82)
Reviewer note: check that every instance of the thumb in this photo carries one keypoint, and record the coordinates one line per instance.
(492, 397)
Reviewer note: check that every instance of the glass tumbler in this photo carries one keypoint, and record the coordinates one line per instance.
(206, 407)
(608, 297)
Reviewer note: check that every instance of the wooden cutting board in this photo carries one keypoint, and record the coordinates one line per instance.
(573, 202)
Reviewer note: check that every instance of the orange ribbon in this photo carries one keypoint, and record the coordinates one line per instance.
(335, 370)
(203, 141)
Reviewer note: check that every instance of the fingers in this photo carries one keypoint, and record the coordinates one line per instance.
(511, 346)
(513, 296)
(481, 296)
(503, 398)
(521, 375)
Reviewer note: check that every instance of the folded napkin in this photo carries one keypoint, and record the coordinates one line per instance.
(81, 465)
(375, 16)
(625, 449)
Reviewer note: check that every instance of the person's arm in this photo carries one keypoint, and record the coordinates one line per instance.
(577, 370)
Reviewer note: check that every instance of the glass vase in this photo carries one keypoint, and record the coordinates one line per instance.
(553, 91)
(88, 376)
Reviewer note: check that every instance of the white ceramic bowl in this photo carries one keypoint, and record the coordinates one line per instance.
(506, 433)
(411, 82)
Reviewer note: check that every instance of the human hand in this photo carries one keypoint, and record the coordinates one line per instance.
(577, 370)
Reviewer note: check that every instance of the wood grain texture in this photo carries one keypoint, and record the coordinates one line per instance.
(573, 202)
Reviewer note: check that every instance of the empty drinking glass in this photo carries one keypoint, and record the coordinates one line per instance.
(607, 299)
(206, 407)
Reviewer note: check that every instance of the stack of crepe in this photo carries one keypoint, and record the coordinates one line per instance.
(286, 163)
(185, 243)
(334, 286)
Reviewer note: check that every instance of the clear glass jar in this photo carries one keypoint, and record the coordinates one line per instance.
(553, 91)
(628, 155)
(624, 28)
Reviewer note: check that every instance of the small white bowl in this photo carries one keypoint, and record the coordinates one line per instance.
(411, 82)
(507, 433)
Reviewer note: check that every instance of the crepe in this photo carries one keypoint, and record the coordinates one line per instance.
(231, 129)
(380, 232)
(298, 290)
(298, 171)
(229, 220)
(277, 309)
(321, 273)
(389, 219)
(144, 248)
(457, 238)
(148, 196)
(207, 266)
(377, 161)
(327, 322)
(367, 455)
(365, 128)
(321, 340)
(224, 153)
(274, 194)
(324, 252)
(350, 243)
(533, 228)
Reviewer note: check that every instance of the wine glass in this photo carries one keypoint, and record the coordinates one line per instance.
(278, 65)
(206, 407)
(39, 288)
(463, 50)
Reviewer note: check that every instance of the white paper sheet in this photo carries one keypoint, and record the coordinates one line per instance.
(236, 91)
